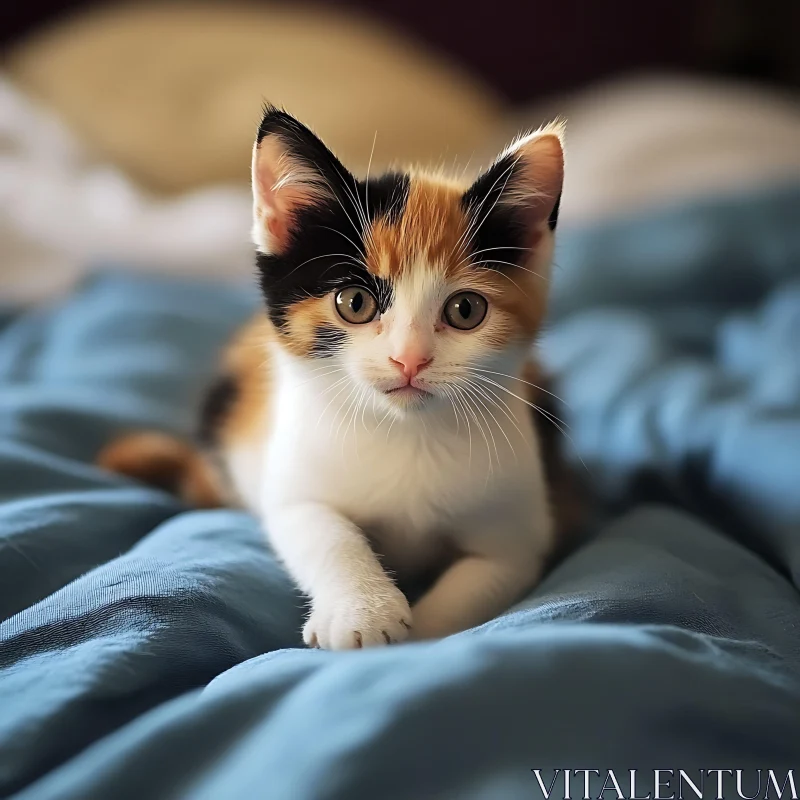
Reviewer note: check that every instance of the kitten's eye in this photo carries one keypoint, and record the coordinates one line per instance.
(465, 310)
(356, 305)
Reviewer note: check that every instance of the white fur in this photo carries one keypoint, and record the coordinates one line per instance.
(347, 469)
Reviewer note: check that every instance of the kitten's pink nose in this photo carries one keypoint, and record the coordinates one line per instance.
(410, 362)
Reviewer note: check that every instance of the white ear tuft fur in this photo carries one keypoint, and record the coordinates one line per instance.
(539, 174)
(282, 185)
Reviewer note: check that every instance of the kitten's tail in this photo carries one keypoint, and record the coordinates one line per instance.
(165, 462)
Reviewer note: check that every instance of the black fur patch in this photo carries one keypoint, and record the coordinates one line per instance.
(215, 406)
(326, 249)
(327, 341)
(499, 230)
(552, 220)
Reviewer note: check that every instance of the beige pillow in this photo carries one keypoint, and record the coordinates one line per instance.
(172, 93)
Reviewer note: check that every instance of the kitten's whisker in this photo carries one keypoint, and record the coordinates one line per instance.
(481, 406)
(383, 418)
(362, 407)
(466, 166)
(324, 255)
(363, 423)
(333, 386)
(337, 264)
(524, 400)
(468, 413)
(351, 262)
(335, 194)
(344, 236)
(466, 234)
(314, 369)
(488, 265)
(391, 425)
(505, 407)
(489, 261)
(508, 264)
(528, 383)
(349, 400)
(447, 393)
(510, 414)
(474, 213)
(552, 418)
(317, 377)
(509, 278)
(330, 388)
(498, 247)
(457, 396)
(352, 192)
(359, 209)
(361, 397)
(367, 227)
(508, 172)
(483, 391)
(358, 206)
(471, 405)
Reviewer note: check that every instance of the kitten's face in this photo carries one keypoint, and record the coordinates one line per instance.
(409, 283)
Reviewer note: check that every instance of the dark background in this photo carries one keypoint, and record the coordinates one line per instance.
(576, 41)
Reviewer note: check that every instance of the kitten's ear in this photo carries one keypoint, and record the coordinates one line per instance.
(526, 179)
(292, 170)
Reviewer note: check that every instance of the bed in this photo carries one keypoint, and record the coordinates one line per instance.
(149, 650)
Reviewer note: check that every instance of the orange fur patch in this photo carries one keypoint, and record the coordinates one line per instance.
(304, 320)
(246, 361)
(521, 294)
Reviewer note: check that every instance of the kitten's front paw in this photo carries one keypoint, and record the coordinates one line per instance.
(361, 621)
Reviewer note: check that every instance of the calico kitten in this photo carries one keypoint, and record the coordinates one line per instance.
(376, 416)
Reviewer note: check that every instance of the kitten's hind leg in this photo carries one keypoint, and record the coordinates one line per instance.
(470, 592)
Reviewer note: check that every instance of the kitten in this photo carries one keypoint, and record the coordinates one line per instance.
(376, 417)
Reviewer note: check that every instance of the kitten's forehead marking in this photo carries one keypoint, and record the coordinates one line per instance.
(431, 230)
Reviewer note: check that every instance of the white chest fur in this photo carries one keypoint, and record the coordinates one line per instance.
(415, 486)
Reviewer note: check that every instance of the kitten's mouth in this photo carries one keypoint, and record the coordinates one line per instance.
(407, 392)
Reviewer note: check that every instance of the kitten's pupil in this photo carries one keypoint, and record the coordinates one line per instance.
(465, 308)
(357, 302)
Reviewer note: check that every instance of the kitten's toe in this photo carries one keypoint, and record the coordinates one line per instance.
(314, 631)
(355, 622)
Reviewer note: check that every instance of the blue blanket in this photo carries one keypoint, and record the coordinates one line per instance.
(147, 650)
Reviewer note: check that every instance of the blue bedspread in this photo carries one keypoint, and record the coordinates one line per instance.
(149, 651)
